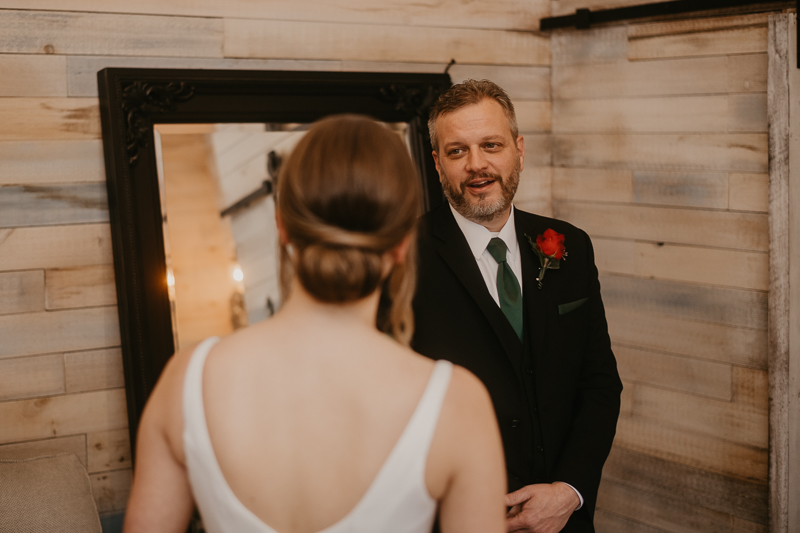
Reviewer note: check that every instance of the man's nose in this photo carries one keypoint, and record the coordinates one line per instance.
(476, 161)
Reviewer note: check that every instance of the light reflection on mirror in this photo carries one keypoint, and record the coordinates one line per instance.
(221, 242)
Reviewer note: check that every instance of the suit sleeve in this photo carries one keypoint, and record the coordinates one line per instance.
(597, 405)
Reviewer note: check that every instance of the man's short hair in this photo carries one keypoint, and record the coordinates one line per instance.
(468, 93)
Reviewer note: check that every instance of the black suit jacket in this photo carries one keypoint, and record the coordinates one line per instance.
(557, 394)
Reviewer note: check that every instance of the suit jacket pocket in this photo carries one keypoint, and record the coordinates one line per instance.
(563, 309)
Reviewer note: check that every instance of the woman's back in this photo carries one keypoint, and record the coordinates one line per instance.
(300, 432)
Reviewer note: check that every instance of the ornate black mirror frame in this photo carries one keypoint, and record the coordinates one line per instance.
(133, 100)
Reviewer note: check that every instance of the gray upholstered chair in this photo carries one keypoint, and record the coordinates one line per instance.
(46, 494)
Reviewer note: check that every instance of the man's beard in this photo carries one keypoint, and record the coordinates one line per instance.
(483, 210)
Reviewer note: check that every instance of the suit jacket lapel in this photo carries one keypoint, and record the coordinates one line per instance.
(534, 296)
(453, 248)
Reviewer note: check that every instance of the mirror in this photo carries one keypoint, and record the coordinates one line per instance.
(139, 107)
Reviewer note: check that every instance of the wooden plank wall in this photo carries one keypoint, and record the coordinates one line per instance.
(61, 380)
(660, 153)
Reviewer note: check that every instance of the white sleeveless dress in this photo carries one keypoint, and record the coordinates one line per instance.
(397, 501)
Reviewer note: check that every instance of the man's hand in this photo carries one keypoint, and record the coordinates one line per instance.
(540, 508)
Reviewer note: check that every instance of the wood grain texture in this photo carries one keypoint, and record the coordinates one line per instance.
(739, 152)
(722, 229)
(695, 25)
(89, 286)
(29, 32)
(740, 499)
(59, 331)
(44, 119)
(25, 75)
(42, 161)
(55, 246)
(747, 112)
(56, 204)
(664, 77)
(606, 522)
(21, 292)
(73, 444)
(708, 416)
(593, 184)
(674, 372)
(713, 342)
(503, 14)
(534, 190)
(314, 40)
(111, 489)
(62, 415)
(744, 40)
(751, 387)
(93, 370)
(642, 115)
(568, 7)
(669, 513)
(108, 450)
(724, 306)
(692, 449)
(731, 268)
(533, 116)
(82, 70)
(748, 192)
(521, 83)
(745, 526)
(599, 45)
(28, 377)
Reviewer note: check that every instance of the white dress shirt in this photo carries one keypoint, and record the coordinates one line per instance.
(478, 238)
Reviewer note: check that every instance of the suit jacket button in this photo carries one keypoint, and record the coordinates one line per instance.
(514, 423)
(540, 448)
(530, 371)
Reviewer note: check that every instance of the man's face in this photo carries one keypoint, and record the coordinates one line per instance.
(479, 162)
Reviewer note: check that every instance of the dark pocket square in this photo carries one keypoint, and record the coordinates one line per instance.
(563, 309)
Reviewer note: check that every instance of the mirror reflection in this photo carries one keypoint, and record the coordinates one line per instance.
(216, 184)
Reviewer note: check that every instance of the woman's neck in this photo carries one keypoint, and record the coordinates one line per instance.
(303, 306)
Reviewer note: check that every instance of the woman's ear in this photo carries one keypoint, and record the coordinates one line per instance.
(282, 236)
(400, 252)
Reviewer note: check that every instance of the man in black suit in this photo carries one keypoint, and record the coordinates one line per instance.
(538, 342)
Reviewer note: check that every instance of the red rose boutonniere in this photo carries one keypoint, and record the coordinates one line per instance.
(550, 250)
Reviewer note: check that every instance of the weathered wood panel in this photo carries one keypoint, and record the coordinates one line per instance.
(714, 342)
(686, 412)
(533, 116)
(742, 499)
(55, 247)
(80, 287)
(568, 7)
(602, 45)
(108, 450)
(502, 14)
(538, 150)
(747, 112)
(745, 40)
(744, 526)
(521, 83)
(675, 372)
(111, 489)
(38, 162)
(693, 449)
(314, 40)
(59, 331)
(32, 32)
(26, 377)
(42, 205)
(690, 76)
(731, 307)
(751, 387)
(626, 398)
(534, 189)
(44, 119)
(73, 444)
(642, 115)
(21, 292)
(698, 24)
(739, 152)
(593, 184)
(25, 75)
(93, 370)
(737, 231)
(748, 192)
(82, 70)
(62, 415)
(693, 264)
(605, 522)
(671, 514)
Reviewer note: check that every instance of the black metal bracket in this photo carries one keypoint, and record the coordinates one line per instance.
(585, 18)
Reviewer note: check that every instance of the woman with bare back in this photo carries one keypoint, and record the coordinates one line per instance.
(315, 420)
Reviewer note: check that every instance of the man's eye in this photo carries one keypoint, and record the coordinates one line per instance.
(492, 145)
(455, 151)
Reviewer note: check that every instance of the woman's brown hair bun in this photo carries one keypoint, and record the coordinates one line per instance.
(347, 194)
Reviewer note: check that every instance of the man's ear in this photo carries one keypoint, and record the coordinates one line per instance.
(521, 150)
(436, 162)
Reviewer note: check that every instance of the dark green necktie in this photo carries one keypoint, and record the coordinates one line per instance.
(507, 286)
